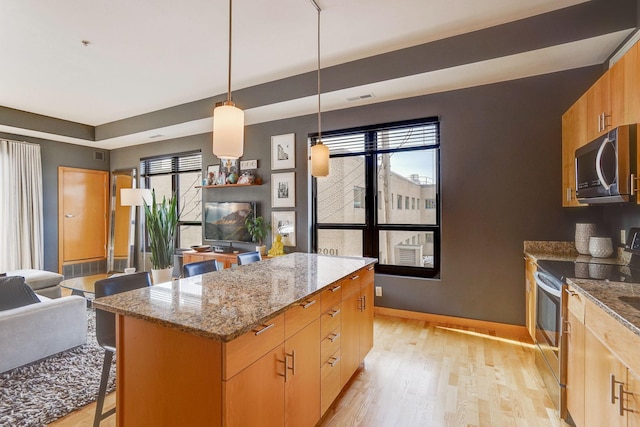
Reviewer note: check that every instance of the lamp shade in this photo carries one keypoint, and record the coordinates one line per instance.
(319, 160)
(135, 196)
(228, 132)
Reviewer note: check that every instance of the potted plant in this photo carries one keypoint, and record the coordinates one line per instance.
(258, 228)
(162, 223)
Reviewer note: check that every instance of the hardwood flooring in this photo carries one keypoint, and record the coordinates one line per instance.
(430, 375)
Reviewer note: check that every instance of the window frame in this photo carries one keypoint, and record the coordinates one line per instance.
(372, 228)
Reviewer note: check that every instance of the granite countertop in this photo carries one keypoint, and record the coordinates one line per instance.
(604, 293)
(223, 305)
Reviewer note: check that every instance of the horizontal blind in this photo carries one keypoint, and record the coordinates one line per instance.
(173, 163)
(382, 138)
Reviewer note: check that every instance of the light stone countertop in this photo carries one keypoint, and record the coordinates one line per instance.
(223, 305)
(604, 293)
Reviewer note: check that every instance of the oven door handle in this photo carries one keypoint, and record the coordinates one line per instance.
(539, 282)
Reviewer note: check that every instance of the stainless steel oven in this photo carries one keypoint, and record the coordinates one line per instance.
(549, 288)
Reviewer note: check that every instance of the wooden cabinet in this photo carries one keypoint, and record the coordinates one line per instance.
(366, 316)
(530, 295)
(330, 345)
(624, 87)
(574, 331)
(574, 135)
(599, 115)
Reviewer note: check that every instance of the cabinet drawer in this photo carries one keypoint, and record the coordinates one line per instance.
(331, 296)
(330, 320)
(329, 345)
(350, 285)
(300, 315)
(329, 382)
(247, 348)
(575, 303)
(366, 275)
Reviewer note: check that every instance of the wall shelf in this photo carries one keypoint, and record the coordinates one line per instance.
(226, 185)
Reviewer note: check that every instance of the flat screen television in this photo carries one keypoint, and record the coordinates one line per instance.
(225, 220)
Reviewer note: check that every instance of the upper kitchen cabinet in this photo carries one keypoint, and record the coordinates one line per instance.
(624, 86)
(574, 135)
(599, 116)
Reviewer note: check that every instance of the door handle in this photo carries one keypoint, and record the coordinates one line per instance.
(69, 215)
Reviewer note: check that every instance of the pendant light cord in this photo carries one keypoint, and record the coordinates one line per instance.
(319, 141)
(229, 75)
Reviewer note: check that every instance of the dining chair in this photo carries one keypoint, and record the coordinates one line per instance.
(106, 328)
(249, 258)
(200, 267)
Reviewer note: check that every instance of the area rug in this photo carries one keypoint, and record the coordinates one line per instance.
(39, 393)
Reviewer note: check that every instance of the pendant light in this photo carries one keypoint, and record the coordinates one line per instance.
(228, 120)
(319, 151)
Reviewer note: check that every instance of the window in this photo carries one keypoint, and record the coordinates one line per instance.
(180, 174)
(358, 209)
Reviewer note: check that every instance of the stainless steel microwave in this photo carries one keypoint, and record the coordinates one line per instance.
(602, 167)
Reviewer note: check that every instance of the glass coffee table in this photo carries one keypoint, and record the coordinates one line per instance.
(83, 286)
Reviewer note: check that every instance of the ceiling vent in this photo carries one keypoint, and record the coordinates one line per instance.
(361, 97)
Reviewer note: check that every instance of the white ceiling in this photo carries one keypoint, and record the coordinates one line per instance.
(145, 55)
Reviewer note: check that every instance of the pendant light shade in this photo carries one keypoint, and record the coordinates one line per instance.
(228, 131)
(319, 160)
(319, 151)
(228, 120)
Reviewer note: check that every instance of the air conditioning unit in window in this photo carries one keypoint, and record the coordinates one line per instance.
(408, 255)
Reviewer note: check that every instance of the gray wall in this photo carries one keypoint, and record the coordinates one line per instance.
(55, 154)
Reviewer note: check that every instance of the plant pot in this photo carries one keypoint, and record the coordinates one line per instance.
(161, 276)
(262, 249)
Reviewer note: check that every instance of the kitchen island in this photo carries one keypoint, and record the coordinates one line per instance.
(270, 343)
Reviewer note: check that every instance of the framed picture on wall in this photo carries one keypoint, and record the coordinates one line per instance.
(283, 190)
(213, 172)
(283, 151)
(284, 224)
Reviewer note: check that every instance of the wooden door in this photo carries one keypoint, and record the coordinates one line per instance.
(575, 369)
(302, 388)
(255, 396)
(600, 365)
(366, 320)
(82, 214)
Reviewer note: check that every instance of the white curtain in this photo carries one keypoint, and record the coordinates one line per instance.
(21, 227)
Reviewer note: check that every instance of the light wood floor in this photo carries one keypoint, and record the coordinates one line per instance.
(424, 374)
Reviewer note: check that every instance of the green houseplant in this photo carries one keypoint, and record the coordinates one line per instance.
(258, 228)
(162, 223)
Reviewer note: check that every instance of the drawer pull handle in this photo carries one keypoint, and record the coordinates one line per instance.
(370, 268)
(334, 313)
(334, 361)
(336, 288)
(571, 293)
(357, 276)
(308, 304)
(265, 328)
(334, 337)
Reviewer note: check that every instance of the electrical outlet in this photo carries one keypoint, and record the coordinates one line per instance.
(623, 236)
(248, 164)
(378, 291)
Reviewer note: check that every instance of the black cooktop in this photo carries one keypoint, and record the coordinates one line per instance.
(590, 270)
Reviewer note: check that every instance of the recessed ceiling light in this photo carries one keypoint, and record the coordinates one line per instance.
(85, 42)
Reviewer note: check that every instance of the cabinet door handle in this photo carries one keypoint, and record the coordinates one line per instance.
(336, 288)
(286, 372)
(364, 302)
(359, 303)
(334, 361)
(357, 276)
(621, 392)
(264, 328)
(334, 313)
(612, 390)
(292, 368)
(571, 293)
(308, 303)
(334, 337)
(566, 327)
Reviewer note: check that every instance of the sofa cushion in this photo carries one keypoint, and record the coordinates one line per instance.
(38, 279)
(14, 293)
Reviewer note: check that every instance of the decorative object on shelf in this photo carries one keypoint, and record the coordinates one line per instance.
(162, 223)
(277, 248)
(283, 223)
(201, 248)
(246, 178)
(584, 231)
(283, 151)
(232, 178)
(213, 171)
(258, 229)
(228, 120)
(600, 247)
(283, 190)
(319, 151)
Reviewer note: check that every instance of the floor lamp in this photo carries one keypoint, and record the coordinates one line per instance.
(135, 197)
